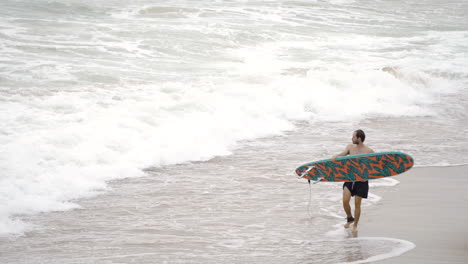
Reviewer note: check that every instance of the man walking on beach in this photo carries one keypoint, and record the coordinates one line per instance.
(359, 189)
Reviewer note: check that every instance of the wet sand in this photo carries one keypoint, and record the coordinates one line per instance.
(428, 208)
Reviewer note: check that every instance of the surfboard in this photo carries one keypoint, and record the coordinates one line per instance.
(361, 167)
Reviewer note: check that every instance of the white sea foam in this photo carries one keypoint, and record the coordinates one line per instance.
(372, 248)
(442, 164)
(373, 198)
(103, 95)
(402, 247)
(387, 182)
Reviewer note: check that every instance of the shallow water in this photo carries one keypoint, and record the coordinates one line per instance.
(246, 207)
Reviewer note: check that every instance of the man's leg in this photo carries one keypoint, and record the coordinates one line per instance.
(357, 211)
(346, 206)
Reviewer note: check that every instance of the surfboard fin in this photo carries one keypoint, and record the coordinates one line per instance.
(319, 180)
(306, 171)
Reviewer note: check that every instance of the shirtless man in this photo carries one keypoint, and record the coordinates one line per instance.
(359, 189)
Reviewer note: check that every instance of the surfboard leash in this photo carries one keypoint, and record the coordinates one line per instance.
(310, 200)
(310, 188)
(306, 171)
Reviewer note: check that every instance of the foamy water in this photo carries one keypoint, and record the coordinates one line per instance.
(93, 91)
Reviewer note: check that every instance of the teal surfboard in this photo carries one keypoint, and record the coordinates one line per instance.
(361, 167)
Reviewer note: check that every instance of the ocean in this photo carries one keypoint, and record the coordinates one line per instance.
(169, 131)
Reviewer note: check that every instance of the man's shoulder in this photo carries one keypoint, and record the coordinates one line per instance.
(369, 150)
(350, 146)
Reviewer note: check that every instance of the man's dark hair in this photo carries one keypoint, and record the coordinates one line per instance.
(360, 134)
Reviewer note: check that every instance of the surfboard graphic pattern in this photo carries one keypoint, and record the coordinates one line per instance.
(358, 167)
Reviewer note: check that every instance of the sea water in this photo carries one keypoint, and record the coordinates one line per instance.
(172, 128)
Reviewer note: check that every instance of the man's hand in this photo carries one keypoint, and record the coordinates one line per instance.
(344, 153)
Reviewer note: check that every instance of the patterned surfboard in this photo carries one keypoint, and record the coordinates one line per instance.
(357, 167)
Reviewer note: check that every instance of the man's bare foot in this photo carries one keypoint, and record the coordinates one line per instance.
(350, 221)
(355, 231)
(347, 225)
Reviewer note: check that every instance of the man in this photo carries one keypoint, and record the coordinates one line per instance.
(359, 189)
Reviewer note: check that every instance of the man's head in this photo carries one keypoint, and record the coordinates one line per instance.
(358, 136)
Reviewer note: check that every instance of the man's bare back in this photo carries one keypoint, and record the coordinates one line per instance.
(355, 149)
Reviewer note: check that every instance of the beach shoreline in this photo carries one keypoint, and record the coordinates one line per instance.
(142, 215)
(427, 208)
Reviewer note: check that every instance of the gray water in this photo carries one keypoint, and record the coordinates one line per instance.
(247, 207)
(169, 131)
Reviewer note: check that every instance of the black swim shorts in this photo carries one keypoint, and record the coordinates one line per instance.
(358, 188)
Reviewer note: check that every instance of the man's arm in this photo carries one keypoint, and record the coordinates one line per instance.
(344, 153)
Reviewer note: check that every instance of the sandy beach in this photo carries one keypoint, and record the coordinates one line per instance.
(428, 208)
